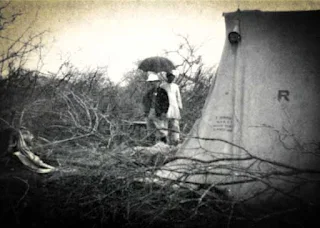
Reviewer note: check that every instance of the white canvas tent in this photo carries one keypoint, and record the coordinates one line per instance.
(259, 133)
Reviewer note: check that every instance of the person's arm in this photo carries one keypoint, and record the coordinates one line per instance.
(178, 95)
(163, 101)
(146, 104)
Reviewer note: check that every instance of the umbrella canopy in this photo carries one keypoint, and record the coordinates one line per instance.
(156, 64)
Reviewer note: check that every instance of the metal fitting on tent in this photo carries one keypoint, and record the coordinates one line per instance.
(234, 36)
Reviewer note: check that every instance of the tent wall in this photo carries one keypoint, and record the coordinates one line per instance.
(280, 93)
(260, 124)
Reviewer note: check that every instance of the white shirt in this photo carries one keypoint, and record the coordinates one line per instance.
(175, 103)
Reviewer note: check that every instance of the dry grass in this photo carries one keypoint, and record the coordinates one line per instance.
(100, 187)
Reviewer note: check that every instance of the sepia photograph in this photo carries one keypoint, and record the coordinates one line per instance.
(159, 113)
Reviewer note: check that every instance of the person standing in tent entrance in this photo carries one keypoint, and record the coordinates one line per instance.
(175, 106)
(156, 104)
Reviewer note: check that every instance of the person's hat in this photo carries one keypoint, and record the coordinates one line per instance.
(152, 77)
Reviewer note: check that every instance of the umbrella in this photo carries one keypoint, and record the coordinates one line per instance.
(156, 64)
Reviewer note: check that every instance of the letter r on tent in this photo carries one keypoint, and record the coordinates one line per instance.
(283, 94)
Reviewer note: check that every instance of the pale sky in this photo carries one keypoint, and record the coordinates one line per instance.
(116, 34)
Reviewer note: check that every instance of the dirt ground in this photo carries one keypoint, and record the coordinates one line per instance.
(38, 200)
(70, 199)
(61, 199)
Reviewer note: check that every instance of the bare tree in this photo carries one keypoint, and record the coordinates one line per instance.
(17, 47)
(15, 51)
(193, 71)
(194, 80)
